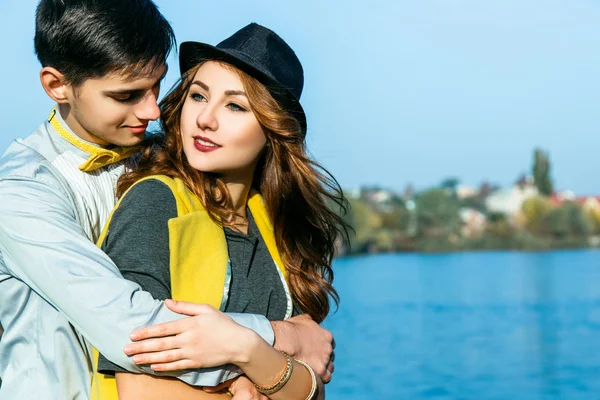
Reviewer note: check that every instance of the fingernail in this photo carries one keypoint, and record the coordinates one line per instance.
(134, 336)
(128, 349)
(156, 367)
(138, 359)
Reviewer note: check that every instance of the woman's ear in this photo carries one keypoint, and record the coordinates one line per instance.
(54, 84)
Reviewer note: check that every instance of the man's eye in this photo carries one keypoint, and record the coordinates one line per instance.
(126, 97)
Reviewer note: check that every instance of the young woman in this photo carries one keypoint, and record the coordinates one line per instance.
(227, 209)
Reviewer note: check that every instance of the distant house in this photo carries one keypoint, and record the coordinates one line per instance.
(474, 222)
(380, 196)
(381, 199)
(589, 203)
(560, 197)
(509, 201)
(464, 191)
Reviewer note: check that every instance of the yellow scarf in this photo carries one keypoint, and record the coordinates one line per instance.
(99, 157)
(198, 268)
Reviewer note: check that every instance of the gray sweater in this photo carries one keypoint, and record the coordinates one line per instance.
(138, 243)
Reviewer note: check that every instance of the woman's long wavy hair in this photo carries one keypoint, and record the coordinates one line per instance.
(298, 193)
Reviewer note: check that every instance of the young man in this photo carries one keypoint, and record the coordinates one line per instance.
(102, 61)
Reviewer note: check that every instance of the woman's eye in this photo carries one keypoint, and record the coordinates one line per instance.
(235, 107)
(197, 97)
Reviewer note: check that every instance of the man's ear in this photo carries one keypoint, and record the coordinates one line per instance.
(54, 83)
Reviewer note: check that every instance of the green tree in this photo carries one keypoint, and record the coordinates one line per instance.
(534, 211)
(568, 221)
(395, 218)
(450, 184)
(594, 214)
(365, 223)
(541, 172)
(437, 213)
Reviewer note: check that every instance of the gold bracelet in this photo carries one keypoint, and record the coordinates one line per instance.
(285, 377)
(313, 377)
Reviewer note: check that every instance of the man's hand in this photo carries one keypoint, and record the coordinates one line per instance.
(303, 338)
(241, 388)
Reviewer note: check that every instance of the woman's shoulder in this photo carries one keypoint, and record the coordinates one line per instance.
(151, 193)
(156, 186)
(143, 211)
(154, 181)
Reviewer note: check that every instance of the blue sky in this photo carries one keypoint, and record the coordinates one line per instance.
(400, 91)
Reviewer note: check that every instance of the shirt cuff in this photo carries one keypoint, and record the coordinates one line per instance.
(258, 323)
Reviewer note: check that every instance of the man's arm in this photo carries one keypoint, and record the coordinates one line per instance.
(44, 246)
(306, 340)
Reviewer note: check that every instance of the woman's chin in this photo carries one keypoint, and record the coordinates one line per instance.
(205, 167)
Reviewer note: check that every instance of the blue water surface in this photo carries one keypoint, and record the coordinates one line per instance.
(485, 326)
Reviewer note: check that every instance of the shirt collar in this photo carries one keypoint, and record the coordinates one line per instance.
(98, 157)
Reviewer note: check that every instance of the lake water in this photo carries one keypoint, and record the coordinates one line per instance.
(485, 326)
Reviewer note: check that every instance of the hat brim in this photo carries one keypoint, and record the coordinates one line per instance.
(193, 53)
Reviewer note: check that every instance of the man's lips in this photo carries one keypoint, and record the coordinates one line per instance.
(138, 128)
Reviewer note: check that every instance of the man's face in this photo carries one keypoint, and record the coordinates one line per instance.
(114, 109)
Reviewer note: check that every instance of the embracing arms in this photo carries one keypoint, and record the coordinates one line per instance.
(43, 244)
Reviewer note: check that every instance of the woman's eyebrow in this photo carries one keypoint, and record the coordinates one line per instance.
(201, 84)
(235, 93)
(227, 92)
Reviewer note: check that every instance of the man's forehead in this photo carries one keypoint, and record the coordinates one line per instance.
(142, 76)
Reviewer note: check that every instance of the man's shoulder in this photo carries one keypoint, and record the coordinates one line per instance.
(30, 158)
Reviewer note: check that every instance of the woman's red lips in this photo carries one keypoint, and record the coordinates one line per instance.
(204, 144)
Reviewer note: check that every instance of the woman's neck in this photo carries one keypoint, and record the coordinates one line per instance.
(239, 196)
(239, 190)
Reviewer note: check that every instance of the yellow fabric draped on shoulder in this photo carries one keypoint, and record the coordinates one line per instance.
(198, 259)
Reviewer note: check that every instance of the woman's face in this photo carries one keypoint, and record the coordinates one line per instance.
(219, 130)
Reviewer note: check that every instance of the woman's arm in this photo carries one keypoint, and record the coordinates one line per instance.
(265, 366)
(214, 330)
(148, 387)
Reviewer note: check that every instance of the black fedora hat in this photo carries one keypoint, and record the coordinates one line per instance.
(260, 53)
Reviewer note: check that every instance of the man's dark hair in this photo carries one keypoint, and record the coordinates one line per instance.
(86, 39)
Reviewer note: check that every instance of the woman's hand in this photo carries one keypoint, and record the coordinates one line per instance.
(208, 338)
